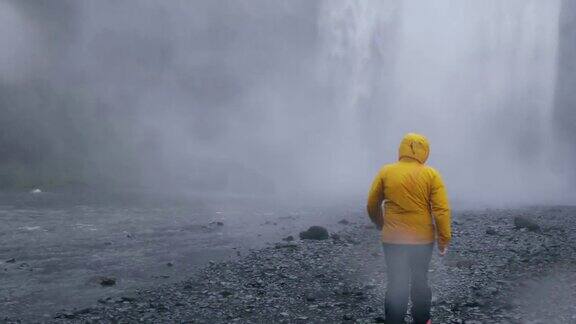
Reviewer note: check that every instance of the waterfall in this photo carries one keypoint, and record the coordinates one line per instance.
(477, 77)
(17, 41)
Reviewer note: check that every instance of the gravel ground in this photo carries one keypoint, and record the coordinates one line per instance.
(501, 268)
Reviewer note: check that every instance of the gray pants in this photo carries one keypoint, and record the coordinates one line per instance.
(407, 269)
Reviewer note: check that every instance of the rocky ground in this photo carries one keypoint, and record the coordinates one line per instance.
(55, 248)
(505, 266)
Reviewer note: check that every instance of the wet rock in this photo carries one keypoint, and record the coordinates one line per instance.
(226, 293)
(491, 231)
(170, 264)
(311, 298)
(289, 238)
(82, 311)
(347, 317)
(315, 233)
(107, 281)
(11, 260)
(161, 277)
(521, 222)
(344, 222)
(65, 315)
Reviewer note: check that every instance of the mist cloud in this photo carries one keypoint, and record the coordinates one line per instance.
(276, 97)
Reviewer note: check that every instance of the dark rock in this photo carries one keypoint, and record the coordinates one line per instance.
(107, 281)
(226, 293)
(11, 260)
(379, 319)
(315, 233)
(525, 222)
(83, 311)
(23, 265)
(344, 222)
(311, 298)
(161, 277)
(288, 238)
(170, 264)
(65, 315)
(491, 231)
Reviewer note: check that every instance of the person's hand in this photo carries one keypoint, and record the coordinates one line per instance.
(442, 251)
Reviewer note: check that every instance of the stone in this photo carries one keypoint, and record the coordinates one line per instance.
(315, 233)
(521, 222)
(107, 281)
(226, 293)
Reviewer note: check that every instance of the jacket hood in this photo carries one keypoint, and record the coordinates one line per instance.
(414, 146)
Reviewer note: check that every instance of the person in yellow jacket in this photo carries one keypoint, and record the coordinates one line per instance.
(416, 214)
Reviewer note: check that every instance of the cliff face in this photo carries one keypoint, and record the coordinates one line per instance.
(565, 106)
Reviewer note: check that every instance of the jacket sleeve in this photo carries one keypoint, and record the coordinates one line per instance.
(375, 198)
(440, 210)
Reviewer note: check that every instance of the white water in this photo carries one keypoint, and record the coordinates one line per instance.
(476, 77)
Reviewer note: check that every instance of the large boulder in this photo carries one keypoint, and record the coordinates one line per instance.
(521, 222)
(315, 233)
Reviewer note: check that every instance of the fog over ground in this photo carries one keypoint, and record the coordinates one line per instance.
(288, 97)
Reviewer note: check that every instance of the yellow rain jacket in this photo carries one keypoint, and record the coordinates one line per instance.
(415, 201)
